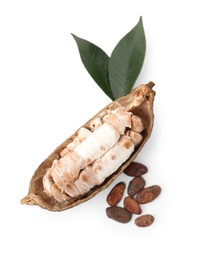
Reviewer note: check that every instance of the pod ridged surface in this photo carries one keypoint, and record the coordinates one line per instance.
(140, 103)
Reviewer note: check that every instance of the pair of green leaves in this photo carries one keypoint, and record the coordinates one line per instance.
(117, 74)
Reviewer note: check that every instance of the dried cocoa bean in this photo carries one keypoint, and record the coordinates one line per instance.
(116, 194)
(132, 206)
(144, 220)
(135, 185)
(118, 214)
(148, 194)
(136, 169)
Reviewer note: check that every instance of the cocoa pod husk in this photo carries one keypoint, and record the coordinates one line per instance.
(140, 102)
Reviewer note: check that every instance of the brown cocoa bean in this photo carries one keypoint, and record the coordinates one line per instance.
(135, 169)
(132, 206)
(144, 220)
(118, 214)
(116, 194)
(135, 185)
(148, 194)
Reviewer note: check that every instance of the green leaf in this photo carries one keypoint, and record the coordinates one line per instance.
(96, 62)
(126, 61)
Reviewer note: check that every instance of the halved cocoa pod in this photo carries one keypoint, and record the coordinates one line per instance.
(140, 103)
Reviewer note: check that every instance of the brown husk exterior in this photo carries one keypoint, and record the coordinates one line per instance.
(140, 102)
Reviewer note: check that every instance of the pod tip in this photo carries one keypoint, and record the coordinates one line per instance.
(29, 200)
(151, 84)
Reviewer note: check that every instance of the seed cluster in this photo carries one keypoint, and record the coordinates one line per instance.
(137, 194)
(94, 154)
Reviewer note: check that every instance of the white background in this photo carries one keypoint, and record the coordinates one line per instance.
(46, 94)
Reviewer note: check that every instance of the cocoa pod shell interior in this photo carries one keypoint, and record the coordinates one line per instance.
(140, 103)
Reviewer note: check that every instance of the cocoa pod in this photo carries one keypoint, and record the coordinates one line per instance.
(118, 214)
(116, 194)
(140, 103)
(135, 185)
(132, 206)
(136, 169)
(144, 220)
(148, 194)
